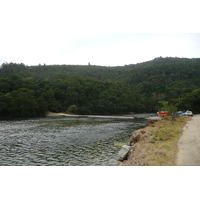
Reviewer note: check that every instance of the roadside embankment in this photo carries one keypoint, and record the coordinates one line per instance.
(157, 144)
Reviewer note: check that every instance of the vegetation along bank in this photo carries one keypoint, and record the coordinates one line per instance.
(157, 144)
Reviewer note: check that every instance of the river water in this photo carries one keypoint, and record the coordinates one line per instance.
(64, 141)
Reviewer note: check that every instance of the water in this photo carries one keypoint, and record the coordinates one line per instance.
(63, 141)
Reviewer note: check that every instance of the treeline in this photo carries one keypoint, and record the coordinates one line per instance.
(188, 101)
(94, 89)
(28, 97)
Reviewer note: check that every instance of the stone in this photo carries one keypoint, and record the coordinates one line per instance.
(113, 162)
(123, 153)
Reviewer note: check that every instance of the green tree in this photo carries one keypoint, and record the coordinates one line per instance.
(19, 103)
(72, 109)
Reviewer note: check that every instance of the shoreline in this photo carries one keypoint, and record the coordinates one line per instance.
(51, 114)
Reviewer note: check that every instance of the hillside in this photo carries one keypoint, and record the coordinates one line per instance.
(148, 82)
(164, 77)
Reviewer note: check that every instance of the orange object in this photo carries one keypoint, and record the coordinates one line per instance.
(162, 113)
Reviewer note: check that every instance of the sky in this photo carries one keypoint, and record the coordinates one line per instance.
(106, 32)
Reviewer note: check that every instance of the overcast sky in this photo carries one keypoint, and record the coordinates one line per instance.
(104, 32)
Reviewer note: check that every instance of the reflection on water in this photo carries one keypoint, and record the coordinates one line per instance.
(63, 141)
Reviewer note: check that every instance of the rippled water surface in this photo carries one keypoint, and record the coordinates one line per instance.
(63, 141)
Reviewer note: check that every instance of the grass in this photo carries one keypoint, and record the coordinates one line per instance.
(160, 146)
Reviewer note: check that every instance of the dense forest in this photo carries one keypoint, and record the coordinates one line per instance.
(89, 89)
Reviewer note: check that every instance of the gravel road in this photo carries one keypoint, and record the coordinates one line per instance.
(189, 144)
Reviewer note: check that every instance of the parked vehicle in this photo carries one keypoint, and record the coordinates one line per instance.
(188, 113)
(179, 113)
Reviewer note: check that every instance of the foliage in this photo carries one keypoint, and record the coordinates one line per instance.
(99, 89)
(72, 109)
(189, 101)
(22, 103)
(172, 109)
(31, 97)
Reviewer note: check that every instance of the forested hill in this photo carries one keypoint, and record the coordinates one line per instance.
(142, 85)
(164, 77)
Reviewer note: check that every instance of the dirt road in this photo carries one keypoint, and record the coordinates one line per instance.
(189, 144)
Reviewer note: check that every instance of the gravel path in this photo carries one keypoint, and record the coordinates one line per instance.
(189, 144)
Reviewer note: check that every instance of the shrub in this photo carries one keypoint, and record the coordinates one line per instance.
(72, 109)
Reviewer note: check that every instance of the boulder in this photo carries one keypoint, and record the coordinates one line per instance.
(123, 153)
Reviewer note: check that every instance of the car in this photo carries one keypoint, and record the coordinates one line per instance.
(179, 113)
(188, 113)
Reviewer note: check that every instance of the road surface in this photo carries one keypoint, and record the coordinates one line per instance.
(189, 144)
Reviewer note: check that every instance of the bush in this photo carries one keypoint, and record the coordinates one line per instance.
(72, 109)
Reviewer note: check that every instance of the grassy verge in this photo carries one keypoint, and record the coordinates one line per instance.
(160, 144)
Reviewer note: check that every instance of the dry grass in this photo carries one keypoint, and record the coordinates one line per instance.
(160, 146)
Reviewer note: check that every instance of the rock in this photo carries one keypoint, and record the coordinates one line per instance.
(113, 162)
(123, 153)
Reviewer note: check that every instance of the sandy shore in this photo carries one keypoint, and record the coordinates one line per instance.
(51, 114)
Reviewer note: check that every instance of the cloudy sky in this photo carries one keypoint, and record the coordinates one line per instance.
(102, 32)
